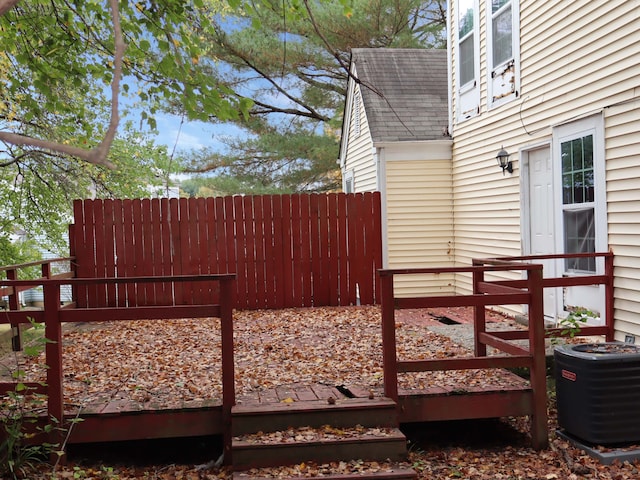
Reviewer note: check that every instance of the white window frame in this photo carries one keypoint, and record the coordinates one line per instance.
(503, 79)
(593, 125)
(467, 95)
(348, 179)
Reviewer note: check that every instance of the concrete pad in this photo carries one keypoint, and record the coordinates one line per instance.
(620, 454)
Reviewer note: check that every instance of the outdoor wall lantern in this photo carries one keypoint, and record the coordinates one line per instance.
(503, 161)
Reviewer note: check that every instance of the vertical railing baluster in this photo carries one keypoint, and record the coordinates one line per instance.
(389, 355)
(479, 317)
(539, 428)
(14, 304)
(608, 300)
(227, 303)
(53, 350)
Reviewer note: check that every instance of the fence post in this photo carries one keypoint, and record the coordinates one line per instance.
(389, 358)
(227, 302)
(538, 378)
(53, 350)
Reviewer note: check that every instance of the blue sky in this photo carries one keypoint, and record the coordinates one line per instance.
(189, 135)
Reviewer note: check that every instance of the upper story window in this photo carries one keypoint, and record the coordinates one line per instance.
(468, 55)
(503, 55)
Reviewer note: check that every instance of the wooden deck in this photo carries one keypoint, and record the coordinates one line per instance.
(117, 420)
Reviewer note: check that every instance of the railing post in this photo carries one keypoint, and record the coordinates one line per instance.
(539, 427)
(608, 300)
(479, 317)
(389, 356)
(14, 304)
(227, 302)
(53, 350)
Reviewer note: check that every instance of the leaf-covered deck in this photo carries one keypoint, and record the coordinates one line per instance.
(280, 355)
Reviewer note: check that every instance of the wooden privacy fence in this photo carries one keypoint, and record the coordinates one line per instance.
(286, 250)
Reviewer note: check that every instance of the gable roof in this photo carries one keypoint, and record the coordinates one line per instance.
(413, 84)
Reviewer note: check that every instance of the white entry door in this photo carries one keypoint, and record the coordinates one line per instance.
(541, 221)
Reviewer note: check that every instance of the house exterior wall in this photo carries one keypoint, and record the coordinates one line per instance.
(419, 220)
(577, 60)
(359, 162)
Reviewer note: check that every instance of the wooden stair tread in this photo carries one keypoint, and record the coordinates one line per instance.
(312, 405)
(327, 444)
(316, 436)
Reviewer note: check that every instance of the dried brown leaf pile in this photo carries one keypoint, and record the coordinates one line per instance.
(155, 363)
(162, 364)
(353, 467)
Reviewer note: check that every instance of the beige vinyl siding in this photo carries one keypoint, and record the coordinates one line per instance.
(622, 124)
(577, 59)
(420, 223)
(360, 158)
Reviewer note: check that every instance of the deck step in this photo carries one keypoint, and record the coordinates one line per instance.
(324, 444)
(349, 412)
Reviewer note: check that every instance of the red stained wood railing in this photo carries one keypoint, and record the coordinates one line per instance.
(54, 315)
(527, 291)
(49, 268)
(286, 250)
(580, 278)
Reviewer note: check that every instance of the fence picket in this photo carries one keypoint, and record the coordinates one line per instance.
(109, 253)
(162, 292)
(344, 252)
(146, 240)
(232, 254)
(306, 273)
(278, 252)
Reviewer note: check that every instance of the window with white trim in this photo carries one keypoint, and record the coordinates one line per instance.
(348, 186)
(578, 201)
(468, 59)
(503, 51)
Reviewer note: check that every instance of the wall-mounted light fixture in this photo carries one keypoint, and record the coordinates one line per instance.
(503, 161)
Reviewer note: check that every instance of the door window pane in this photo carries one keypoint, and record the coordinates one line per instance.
(580, 237)
(577, 170)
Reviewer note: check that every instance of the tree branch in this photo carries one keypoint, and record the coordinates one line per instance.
(101, 151)
(98, 154)
(6, 5)
(266, 108)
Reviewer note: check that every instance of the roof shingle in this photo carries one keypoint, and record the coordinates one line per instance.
(407, 98)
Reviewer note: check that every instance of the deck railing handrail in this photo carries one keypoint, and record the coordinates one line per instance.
(12, 290)
(576, 278)
(527, 291)
(484, 293)
(18, 266)
(54, 314)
